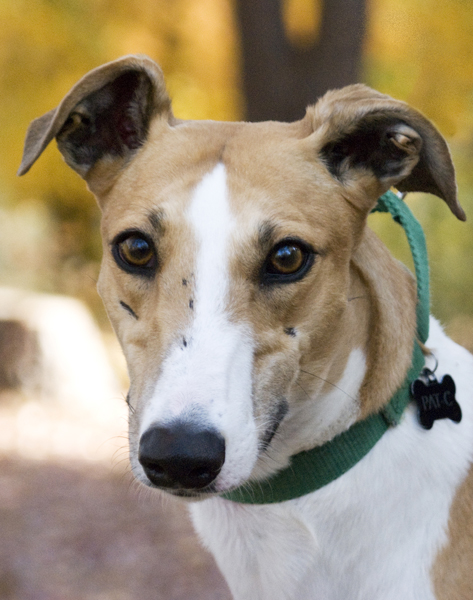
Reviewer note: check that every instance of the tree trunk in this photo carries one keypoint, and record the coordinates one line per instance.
(280, 80)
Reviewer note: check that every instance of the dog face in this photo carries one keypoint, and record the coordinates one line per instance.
(253, 306)
(222, 313)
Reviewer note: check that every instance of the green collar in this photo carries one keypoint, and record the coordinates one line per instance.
(310, 470)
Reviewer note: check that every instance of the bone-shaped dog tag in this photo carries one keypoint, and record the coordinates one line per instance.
(435, 399)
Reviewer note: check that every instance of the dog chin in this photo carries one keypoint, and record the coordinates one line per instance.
(184, 494)
(190, 495)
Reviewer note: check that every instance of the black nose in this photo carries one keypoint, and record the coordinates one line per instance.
(181, 456)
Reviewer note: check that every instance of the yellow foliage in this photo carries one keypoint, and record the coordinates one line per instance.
(422, 51)
(302, 21)
(48, 45)
(418, 50)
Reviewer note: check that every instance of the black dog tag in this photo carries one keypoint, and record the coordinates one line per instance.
(435, 399)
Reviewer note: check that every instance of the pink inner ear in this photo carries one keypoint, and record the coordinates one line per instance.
(128, 134)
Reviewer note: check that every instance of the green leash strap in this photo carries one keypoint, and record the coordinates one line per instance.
(310, 470)
(402, 214)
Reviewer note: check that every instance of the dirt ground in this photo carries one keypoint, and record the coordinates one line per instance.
(76, 529)
(78, 532)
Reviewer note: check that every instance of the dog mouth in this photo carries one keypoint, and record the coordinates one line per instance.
(191, 494)
(275, 421)
(184, 493)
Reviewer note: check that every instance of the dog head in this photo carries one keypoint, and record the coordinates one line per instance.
(257, 313)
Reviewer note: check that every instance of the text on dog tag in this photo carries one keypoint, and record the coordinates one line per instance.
(435, 399)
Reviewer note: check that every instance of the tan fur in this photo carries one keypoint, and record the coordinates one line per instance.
(452, 572)
(392, 297)
(354, 296)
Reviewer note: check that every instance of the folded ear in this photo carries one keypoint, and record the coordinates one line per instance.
(104, 118)
(368, 138)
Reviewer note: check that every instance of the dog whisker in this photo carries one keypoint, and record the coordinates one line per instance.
(120, 456)
(329, 383)
(126, 399)
(305, 392)
(92, 279)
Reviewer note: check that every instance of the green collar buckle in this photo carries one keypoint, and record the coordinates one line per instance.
(311, 470)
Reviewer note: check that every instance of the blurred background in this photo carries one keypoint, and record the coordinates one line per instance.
(72, 525)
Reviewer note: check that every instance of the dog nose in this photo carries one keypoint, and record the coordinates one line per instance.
(181, 456)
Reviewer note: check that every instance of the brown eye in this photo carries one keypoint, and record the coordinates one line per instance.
(287, 262)
(286, 259)
(135, 253)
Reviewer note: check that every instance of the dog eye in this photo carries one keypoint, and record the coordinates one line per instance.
(134, 253)
(288, 261)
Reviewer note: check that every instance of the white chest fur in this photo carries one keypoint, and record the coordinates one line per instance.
(373, 533)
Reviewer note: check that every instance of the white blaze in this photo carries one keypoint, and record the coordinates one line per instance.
(209, 379)
(213, 223)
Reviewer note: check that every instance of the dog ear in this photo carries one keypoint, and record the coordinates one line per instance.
(363, 133)
(105, 117)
